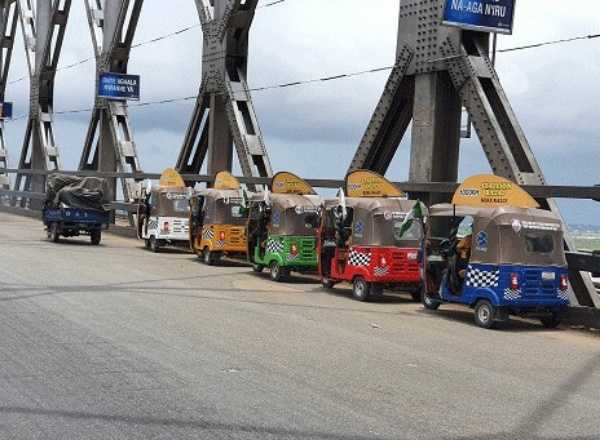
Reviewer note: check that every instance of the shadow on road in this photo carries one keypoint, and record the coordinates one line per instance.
(201, 425)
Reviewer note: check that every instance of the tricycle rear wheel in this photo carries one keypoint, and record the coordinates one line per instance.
(429, 302)
(53, 233)
(96, 237)
(485, 314)
(278, 273)
(154, 245)
(361, 290)
(551, 321)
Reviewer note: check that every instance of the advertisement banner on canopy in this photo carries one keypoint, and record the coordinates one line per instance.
(481, 15)
(119, 87)
(365, 183)
(225, 180)
(170, 178)
(491, 191)
(288, 183)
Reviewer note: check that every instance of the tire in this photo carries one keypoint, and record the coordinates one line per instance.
(96, 237)
(551, 321)
(484, 314)
(375, 290)
(428, 302)
(416, 295)
(328, 283)
(54, 234)
(147, 243)
(278, 273)
(361, 290)
(154, 245)
(207, 257)
(258, 268)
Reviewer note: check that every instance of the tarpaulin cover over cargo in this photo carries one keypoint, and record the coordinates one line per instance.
(76, 192)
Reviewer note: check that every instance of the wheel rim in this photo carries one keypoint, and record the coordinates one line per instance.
(484, 314)
(275, 270)
(206, 256)
(359, 288)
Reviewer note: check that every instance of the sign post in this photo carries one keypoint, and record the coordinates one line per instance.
(495, 16)
(119, 87)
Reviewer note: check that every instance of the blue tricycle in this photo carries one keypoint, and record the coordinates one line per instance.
(511, 262)
(73, 222)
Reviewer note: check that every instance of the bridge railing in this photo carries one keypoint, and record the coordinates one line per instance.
(536, 191)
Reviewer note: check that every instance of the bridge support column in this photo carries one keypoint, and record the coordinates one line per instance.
(8, 26)
(438, 69)
(43, 33)
(109, 144)
(224, 115)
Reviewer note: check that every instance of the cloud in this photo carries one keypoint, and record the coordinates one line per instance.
(314, 129)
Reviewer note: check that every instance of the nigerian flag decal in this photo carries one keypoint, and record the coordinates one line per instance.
(416, 214)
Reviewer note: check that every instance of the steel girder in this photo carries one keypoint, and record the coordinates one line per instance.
(109, 144)
(8, 26)
(43, 30)
(438, 69)
(224, 114)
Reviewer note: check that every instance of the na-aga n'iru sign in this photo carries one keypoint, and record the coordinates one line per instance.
(118, 86)
(481, 15)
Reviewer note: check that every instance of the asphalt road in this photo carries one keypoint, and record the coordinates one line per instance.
(114, 342)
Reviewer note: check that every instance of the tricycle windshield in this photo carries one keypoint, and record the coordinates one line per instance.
(230, 212)
(172, 204)
(538, 242)
(392, 232)
(531, 247)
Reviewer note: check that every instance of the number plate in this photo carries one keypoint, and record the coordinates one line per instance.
(548, 276)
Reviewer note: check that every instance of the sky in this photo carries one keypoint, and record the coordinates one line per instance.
(314, 130)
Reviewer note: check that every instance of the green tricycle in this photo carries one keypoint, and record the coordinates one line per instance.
(281, 228)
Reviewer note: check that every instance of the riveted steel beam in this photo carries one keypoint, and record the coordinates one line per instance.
(43, 28)
(438, 70)
(8, 27)
(109, 145)
(224, 114)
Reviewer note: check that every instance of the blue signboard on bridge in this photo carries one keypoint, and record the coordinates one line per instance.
(481, 15)
(119, 86)
(6, 110)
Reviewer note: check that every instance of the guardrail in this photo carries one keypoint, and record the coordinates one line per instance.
(536, 191)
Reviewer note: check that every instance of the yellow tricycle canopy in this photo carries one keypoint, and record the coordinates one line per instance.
(288, 183)
(364, 183)
(489, 191)
(170, 178)
(226, 181)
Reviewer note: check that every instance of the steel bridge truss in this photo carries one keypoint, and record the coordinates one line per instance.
(8, 28)
(109, 144)
(439, 70)
(43, 25)
(224, 114)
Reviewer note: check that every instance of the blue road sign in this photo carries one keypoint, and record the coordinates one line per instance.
(6, 110)
(119, 87)
(482, 15)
